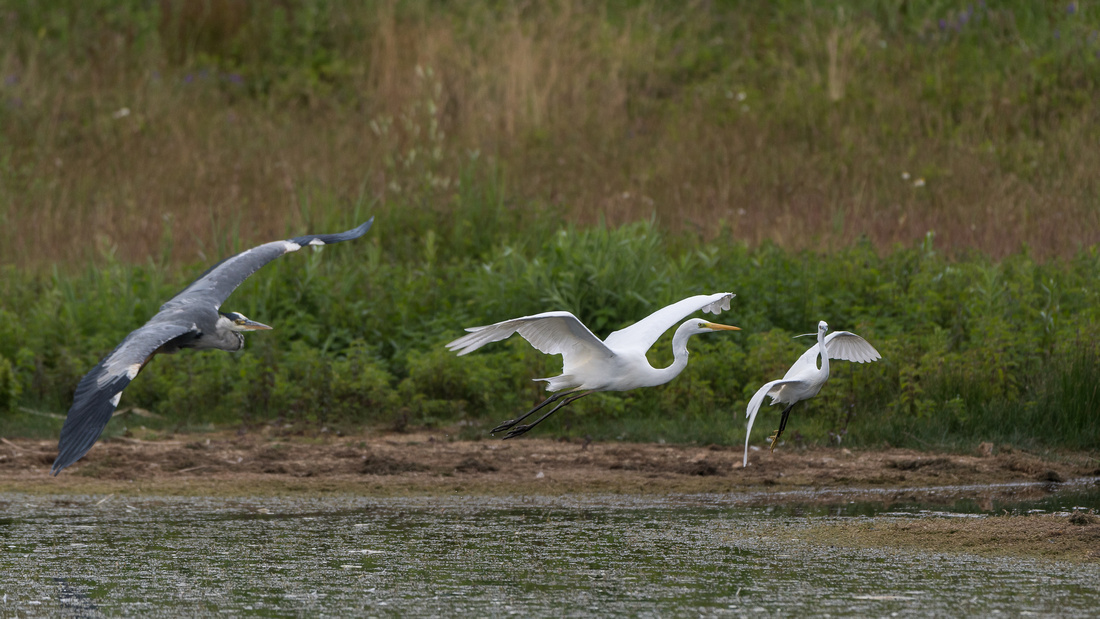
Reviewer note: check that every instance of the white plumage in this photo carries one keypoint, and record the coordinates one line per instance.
(805, 379)
(589, 364)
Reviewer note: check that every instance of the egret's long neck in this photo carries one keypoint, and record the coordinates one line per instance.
(680, 357)
(821, 351)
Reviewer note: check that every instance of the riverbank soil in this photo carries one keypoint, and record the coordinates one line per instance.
(226, 463)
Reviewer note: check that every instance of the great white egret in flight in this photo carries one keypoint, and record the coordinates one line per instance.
(191, 319)
(617, 363)
(805, 378)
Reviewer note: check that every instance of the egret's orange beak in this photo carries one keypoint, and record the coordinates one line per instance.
(718, 327)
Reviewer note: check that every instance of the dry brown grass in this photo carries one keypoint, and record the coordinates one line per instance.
(590, 114)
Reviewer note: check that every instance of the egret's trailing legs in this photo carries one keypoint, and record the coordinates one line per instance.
(774, 438)
(512, 422)
(517, 430)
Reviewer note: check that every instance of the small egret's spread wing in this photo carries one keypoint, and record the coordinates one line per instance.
(754, 407)
(842, 345)
(848, 346)
(99, 391)
(641, 335)
(219, 281)
(553, 333)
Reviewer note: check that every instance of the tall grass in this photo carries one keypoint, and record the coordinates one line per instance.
(806, 125)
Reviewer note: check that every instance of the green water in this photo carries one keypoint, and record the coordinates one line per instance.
(698, 555)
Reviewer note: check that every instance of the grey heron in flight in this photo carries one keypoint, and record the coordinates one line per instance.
(590, 364)
(191, 319)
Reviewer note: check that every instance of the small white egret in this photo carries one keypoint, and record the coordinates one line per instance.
(805, 378)
(617, 363)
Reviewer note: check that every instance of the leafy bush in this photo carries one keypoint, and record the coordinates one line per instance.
(971, 348)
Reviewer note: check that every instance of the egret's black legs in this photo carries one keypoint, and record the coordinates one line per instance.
(508, 424)
(517, 430)
(782, 424)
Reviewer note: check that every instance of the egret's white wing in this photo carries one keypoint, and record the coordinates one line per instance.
(553, 333)
(848, 346)
(754, 407)
(842, 345)
(640, 336)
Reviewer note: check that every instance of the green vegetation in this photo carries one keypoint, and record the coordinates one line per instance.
(973, 350)
(922, 173)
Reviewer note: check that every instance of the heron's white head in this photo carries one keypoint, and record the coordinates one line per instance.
(240, 322)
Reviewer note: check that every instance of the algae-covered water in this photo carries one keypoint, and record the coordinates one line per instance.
(482, 556)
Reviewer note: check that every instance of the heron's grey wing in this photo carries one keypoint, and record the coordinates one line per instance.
(848, 346)
(553, 333)
(754, 407)
(99, 391)
(641, 335)
(219, 281)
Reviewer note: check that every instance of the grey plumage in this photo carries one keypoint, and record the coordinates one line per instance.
(191, 319)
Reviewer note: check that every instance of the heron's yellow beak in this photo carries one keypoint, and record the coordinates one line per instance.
(252, 325)
(718, 327)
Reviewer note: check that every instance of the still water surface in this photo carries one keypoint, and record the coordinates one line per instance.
(584, 556)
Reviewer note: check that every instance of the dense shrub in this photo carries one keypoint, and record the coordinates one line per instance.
(972, 349)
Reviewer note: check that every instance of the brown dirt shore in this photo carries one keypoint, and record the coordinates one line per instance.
(430, 463)
(225, 464)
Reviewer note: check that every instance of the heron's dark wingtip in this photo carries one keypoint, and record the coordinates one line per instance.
(340, 237)
(363, 228)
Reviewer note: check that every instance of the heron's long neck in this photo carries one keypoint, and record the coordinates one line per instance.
(220, 338)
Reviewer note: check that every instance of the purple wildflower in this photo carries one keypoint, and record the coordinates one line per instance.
(1072, 8)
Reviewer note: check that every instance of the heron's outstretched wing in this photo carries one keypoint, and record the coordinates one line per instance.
(754, 407)
(640, 336)
(219, 281)
(99, 391)
(848, 346)
(553, 333)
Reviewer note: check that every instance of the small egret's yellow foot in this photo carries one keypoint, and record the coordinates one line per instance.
(774, 438)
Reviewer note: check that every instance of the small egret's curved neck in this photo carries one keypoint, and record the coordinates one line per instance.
(824, 354)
